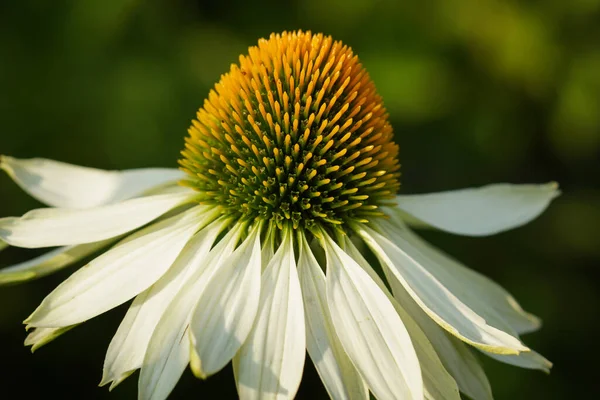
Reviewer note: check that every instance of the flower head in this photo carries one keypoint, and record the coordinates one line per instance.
(296, 132)
(257, 252)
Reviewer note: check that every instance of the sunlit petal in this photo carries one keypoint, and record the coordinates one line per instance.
(46, 227)
(65, 185)
(480, 211)
(270, 363)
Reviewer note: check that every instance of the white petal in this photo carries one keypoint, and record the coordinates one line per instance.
(480, 211)
(456, 357)
(270, 363)
(127, 349)
(529, 360)
(482, 295)
(407, 265)
(119, 274)
(41, 336)
(46, 227)
(50, 262)
(479, 292)
(226, 310)
(438, 384)
(370, 329)
(70, 186)
(169, 349)
(459, 360)
(340, 377)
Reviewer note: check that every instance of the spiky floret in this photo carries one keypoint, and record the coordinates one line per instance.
(296, 132)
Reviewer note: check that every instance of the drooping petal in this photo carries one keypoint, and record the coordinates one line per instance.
(168, 351)
(408, 265)
(482, 295)
(49, 263)
(529, 360)
(459, 360)
(119, 274)
(226, 310)
(438, 384)
(63, 185)
(269, 365)
(340, 377)
(127, 349)
(3, 245)
(370, 329)
(480, 211)
(38, 337)
(47, 227)
(455, 355)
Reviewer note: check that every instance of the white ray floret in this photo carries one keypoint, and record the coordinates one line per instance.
(479, 211)
(270, 363)
(480, 294)
(408, 266)
(50, 262)
(63, 185)
(119, 274)
(168, 351)
(438, 384)
(226, 310)
(454, 354)
(128, 347)
(46, 227)
(340, 377)
(369, 328)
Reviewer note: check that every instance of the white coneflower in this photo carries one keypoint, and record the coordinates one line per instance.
(252, 253)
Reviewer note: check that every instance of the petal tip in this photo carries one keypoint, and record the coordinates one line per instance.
(196, 365)
(6, 164)
(105, 381)
(555, 187)
(5, 160)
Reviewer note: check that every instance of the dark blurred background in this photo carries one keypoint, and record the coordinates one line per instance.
(478, 92)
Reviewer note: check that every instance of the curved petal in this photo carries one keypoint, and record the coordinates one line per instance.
(168, 351)
(482, 295)
(370, 329)
(47, 227)
(127, 348)
(119, 274)
(49, 263)
(438, 384)
(407, 264)
(65, 185)
(479, 211)
(269, 365)
(226, 310)
(3, 245)
(459, 360)
(455, 355)
(339, 376)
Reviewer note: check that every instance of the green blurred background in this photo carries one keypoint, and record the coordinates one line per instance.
(478, 92)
